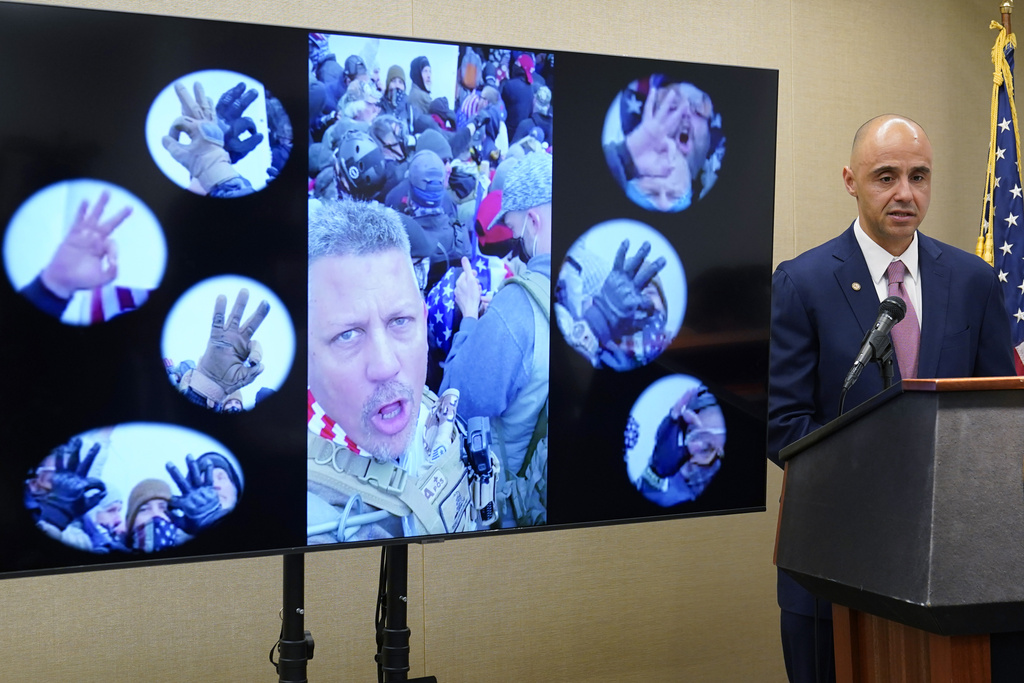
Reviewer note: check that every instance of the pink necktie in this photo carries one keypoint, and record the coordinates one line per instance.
(906, 334)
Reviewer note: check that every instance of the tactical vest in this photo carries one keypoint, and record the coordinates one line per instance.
(443, 496)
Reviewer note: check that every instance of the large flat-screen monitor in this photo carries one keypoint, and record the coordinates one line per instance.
(515, 288)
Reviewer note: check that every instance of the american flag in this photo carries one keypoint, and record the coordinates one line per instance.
(1001, 241)
(441, 307)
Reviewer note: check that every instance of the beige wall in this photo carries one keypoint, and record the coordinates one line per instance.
(686, 600)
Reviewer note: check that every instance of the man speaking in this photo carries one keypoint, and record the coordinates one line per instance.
(824, 300)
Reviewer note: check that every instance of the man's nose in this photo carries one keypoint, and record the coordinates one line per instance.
(902, 191)
(382, 363)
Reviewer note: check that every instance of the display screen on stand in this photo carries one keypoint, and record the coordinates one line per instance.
(516, 289)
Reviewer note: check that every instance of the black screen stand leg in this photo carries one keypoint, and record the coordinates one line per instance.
(296, 645)
(393, 635)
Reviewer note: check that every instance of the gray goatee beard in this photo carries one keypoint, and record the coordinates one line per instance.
(380, 450)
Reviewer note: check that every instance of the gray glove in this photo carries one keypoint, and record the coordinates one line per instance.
(204, 156)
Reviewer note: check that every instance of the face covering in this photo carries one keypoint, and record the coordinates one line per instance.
(519, 244)
(156, 534)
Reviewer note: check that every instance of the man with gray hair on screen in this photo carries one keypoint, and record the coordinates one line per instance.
(384, 454)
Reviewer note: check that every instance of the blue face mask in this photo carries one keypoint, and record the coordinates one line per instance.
(428, 198)
(645, 202)
(156, 535)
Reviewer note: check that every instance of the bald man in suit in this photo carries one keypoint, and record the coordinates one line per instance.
(823, 302)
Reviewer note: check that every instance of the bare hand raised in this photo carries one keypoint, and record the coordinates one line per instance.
(87, 258)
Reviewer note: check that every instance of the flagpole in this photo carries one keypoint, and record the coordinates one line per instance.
(1005, 10)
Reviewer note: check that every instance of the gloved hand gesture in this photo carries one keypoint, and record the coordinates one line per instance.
(684, 436)
(73, 492)
(232, 358)
(620, 308)
(198, 506)
(87, 258)
(230, 107)
(669, 450)
(204, 156)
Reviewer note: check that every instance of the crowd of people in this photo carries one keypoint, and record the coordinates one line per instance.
(71, 500)
(398, 141)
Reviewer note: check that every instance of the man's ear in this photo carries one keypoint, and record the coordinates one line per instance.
(849, 181)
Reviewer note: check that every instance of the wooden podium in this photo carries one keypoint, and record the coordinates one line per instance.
(907, 512)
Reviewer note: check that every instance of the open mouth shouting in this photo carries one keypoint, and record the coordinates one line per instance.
(388, 420)
(684, 139)
(391, 418)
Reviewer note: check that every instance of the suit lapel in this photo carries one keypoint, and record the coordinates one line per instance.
(854, 280)
(935, 283)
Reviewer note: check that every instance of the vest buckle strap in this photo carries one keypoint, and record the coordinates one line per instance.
(384, 476)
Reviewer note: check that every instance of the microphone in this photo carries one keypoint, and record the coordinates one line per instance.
(890, 312)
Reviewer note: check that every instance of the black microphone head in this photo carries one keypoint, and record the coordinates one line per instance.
(895, 307)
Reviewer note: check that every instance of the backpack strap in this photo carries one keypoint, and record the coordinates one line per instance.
(537, 286)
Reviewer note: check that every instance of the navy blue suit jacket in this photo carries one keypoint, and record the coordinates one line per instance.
(824, 301)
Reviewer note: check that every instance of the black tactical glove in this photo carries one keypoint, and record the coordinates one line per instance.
(74, 492)
(669, 450)
(229, 108)
(198, 505)
(620, 308)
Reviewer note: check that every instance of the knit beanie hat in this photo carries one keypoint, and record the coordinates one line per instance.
(528, 184)
(439, 107)
(435, 142)
(217, 460)
(145, 491)
(395, 72)
(111, 496)
(490, 74)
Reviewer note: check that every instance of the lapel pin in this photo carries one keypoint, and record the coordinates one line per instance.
(855, 286)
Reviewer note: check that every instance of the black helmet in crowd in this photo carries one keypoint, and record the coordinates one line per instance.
(362, 163)
(354, 67)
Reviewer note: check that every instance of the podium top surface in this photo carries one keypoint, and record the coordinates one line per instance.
(964, 384)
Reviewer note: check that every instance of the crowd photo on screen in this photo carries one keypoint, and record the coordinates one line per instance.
(437, 156)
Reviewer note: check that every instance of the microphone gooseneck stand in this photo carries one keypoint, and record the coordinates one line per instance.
(884, 361)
